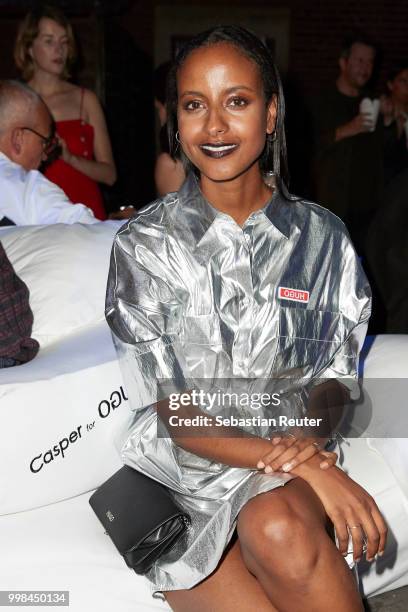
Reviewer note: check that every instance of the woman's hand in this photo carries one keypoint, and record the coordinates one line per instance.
(125, 212)
(352, 511)
(66, 154)
(287, 453)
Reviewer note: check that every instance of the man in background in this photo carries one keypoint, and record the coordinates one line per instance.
(348, 169)
(26, 139)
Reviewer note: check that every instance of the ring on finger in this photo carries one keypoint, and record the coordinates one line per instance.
(364, 538)
(316, 445)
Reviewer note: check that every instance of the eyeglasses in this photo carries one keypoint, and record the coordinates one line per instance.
(48, 142)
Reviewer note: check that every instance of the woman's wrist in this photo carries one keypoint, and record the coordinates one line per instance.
(310, 469)
(71, 159)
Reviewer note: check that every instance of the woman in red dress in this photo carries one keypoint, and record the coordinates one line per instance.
(44, 52)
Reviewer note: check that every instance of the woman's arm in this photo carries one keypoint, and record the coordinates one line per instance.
(228, 445)
(102, 169)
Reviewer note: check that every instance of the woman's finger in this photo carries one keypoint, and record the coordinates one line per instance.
(280, 448)
(374, 527)
(376, 531)
(372, 535)
(342, 534)
(300, 452)
(329, 458)
(357, 535)
(294, 456)
(382, 528)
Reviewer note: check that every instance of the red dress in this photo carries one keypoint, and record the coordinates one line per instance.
(79, 137)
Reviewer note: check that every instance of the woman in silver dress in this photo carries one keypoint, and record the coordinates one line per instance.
(232, 280)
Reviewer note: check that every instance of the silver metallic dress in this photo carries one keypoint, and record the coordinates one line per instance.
(192, 295)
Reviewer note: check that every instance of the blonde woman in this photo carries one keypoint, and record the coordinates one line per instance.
(44, 53)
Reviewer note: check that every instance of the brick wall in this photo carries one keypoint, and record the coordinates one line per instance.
(318, 26)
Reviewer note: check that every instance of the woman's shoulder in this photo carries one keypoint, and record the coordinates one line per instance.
(89, 104)
(89, 96)
(90, 101)
(168, 173)
(165, 160)
(318, 213)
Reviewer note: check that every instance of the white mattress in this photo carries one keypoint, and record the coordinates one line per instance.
(50, 402)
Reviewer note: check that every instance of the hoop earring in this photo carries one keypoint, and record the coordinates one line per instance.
(272, 137)
(177, 136)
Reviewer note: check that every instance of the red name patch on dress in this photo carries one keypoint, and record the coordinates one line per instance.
(296, 295)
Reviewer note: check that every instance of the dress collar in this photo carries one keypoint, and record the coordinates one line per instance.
(199, 214)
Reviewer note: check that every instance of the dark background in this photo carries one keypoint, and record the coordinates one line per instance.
(122, 40)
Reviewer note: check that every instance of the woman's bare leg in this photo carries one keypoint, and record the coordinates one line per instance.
(231, 588)
(284, 543)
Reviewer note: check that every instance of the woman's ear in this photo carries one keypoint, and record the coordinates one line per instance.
(271, 113)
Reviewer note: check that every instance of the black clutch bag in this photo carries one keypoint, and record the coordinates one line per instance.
(140, 516)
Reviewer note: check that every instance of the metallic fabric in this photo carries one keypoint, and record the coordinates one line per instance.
(192, 295)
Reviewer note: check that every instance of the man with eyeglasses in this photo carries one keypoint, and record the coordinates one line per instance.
(26, 140)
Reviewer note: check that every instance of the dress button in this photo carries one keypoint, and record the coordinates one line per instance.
(82, 138)
(247, 238)
(86, 153)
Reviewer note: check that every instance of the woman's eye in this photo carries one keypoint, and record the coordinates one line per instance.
(237, 101)
(193, 105)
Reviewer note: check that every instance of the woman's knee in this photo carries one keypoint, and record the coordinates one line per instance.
(278, 540)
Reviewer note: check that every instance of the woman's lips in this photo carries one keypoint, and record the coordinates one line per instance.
(218, 150)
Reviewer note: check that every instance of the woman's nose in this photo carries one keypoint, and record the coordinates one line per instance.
(216, 122)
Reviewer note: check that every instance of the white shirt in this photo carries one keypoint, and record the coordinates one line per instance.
(28, 198)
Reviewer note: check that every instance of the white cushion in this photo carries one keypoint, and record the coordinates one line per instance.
(62, 416)
(65, 268)
(388, 360)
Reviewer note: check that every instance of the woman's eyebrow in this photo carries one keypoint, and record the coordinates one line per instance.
(191, 93)
(51, 35)
(227, 91)
(238, 87)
